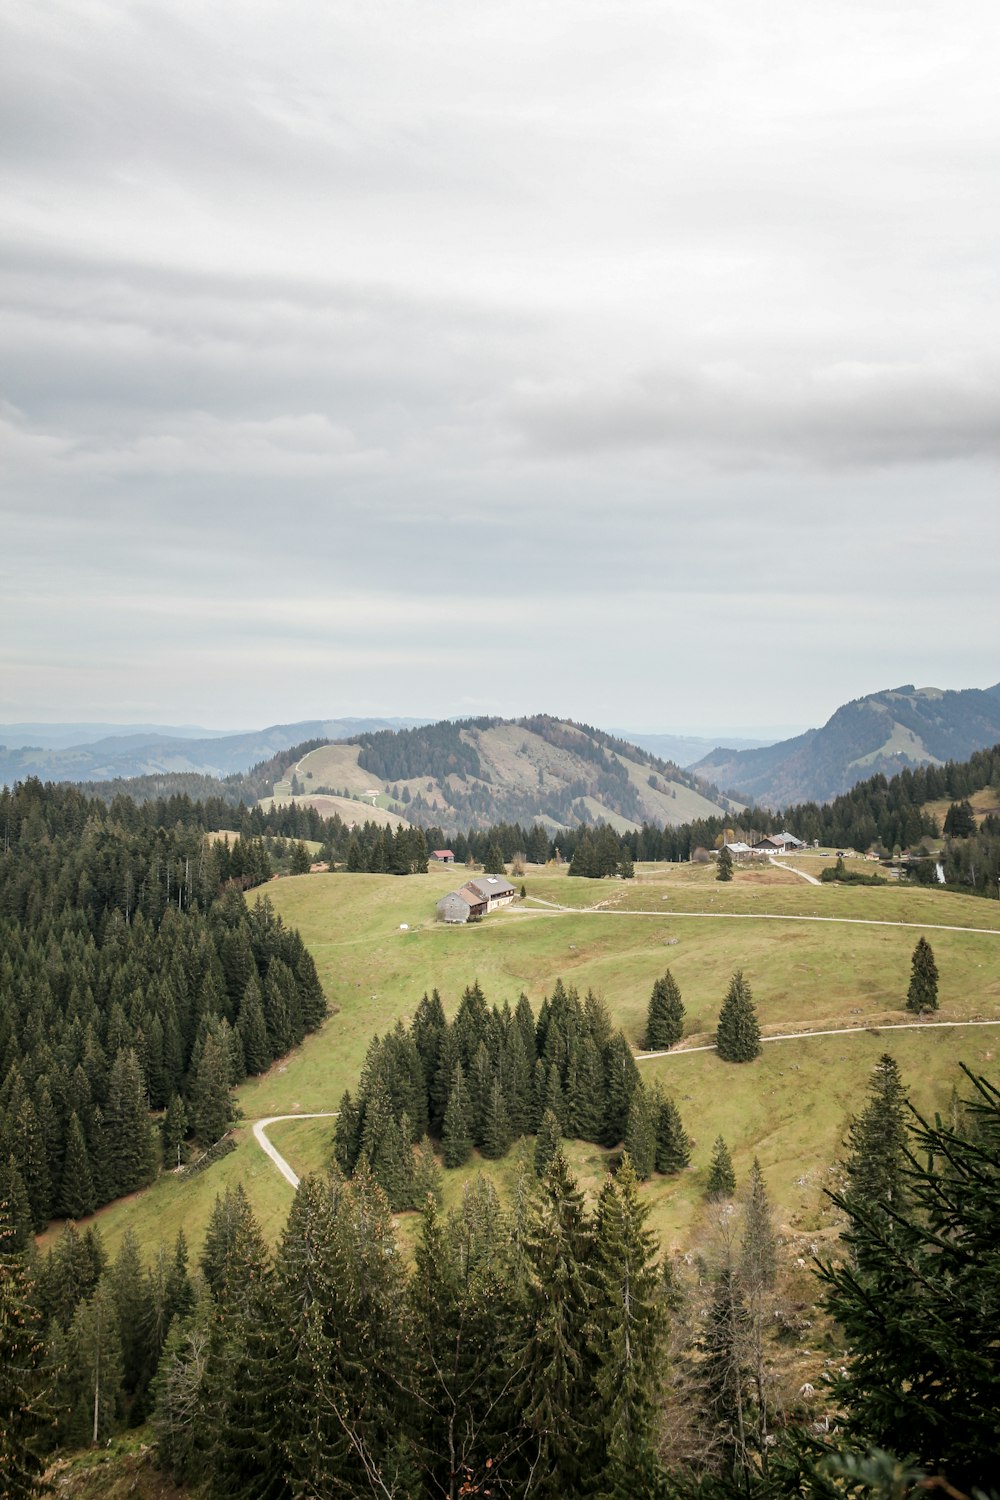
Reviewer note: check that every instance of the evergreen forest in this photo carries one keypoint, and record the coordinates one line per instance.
(137, 987)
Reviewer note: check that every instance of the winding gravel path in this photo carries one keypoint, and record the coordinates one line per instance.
(668, 914)
(259, 1128)
(797, 1036)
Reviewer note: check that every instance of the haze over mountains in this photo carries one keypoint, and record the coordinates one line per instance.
(882, 732)
(99, 752)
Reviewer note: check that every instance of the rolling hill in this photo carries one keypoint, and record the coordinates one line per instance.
(478, 772)
(883, 732)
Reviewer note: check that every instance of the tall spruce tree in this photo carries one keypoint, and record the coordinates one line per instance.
(640, 1133)
(725, 864)
(923, 991)
(76, 1194)
(737, 1037)
(546, 1143)
(673, 1144)
(721, 1177)
(919, 1307)
(628, 1331)
(558, 1394)
(456, 1133)
(664, 1015)
(876, 1166)
(723, 1374)
(24, 1381)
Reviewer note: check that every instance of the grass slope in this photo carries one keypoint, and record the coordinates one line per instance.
(790, 1107)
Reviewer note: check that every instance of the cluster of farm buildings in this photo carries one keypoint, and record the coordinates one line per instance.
(771, 843)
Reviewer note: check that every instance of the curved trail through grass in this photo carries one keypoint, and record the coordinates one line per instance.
(260, 1127)
(798, 1036)
(793, 871)
(757, 916)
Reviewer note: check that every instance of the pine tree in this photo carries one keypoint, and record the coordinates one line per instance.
(723, 1371)
(131, 1155)
(96, 1364)
(24, 1384)
(173, 1130)
(493, 863)
(557, 1362)
(76, 1193)
(180, 1398)
(628, 1331)
(640, 1133)
(19, 1228)
(673, 1144)
(923, 992)
(426, 1175)
(876, 1165)
(664, 1016)
(252, 1028)
(211, 1106)
(737, 1038)
(621, 1076)
(456, 1137)
(496, 1124)
(721, 1177)
(758, 1264)
(758, 1270)
(546, 1143)
(918, 1307)
(725, 863)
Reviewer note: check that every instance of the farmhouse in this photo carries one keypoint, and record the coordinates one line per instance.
(475, 899)
(443, 856)
(492, 889)
(779, 843)
(739, 850)
(453, 908)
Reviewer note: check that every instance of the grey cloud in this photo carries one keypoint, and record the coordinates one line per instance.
(845, 415)
(612, 313)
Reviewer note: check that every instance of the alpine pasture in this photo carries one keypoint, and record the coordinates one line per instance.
(378, 947)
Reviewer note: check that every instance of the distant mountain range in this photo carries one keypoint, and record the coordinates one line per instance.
(102, 752)
(502, 767)
(687, 749)
(883, 732)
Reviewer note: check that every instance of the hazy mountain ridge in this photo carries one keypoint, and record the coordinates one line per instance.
(881, 733)
(477, 772)
(158, 752)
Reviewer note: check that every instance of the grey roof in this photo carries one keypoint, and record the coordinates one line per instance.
(490, 886)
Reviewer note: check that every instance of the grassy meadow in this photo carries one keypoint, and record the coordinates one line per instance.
(378, 948)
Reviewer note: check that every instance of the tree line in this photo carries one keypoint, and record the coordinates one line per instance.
(542, 1347)
(492, 1076)
(133, 979)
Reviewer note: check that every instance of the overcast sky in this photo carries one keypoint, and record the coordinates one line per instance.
(635, 361)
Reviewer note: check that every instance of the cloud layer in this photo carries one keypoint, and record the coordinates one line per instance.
(335, 334)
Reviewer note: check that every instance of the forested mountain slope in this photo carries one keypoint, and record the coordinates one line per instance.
(132, 977)
(881, 733)
(477, 772)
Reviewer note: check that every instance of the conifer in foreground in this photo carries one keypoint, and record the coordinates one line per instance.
(721, 1177)
(664, 1016)
(737, 1037)
(23, 1383)
(673, 1144)
(923, 991)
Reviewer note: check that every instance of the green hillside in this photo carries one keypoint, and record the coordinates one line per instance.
(790, 1107)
